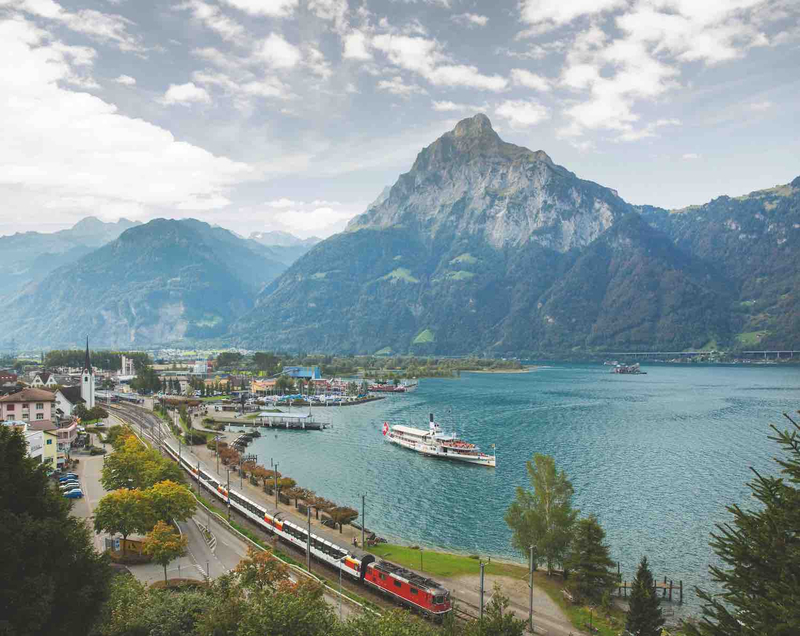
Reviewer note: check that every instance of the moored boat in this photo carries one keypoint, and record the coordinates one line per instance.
(434, 443)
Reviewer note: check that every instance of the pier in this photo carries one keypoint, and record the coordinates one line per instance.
(290, 421)
(666, 588)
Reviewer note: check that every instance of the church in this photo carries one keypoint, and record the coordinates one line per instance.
(87, 380)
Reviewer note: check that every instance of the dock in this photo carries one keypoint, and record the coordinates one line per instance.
(290, 421)
(666, 588)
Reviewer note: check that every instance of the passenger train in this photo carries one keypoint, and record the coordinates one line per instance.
(402, 585)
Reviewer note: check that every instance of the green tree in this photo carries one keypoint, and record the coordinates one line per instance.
(497, 620)
(123, 512)
(261, 571)
(171, 501)
(164, 545)
(300, 609)
(644, 616)
(590, 568)
(228, 359)
(543, 518)
(97, 413)
(51, 579)
(342, 516)
(761, 552)
(284, 385)
(81, 411)
(146, 380)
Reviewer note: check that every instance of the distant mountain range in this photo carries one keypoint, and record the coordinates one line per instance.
(160, 282)
(482, 247)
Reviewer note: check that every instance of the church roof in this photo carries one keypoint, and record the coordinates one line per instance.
(72, 394)
(87, 363)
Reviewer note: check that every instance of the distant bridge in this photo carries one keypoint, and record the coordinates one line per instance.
(778, 354)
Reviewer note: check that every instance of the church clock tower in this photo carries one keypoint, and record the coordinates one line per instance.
(87, 380)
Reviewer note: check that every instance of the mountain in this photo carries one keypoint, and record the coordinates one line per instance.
(484, 246)
(31, 256)
(159, 282)
(284, 247)
(752, 241)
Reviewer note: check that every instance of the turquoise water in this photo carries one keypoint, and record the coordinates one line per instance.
(656, 457)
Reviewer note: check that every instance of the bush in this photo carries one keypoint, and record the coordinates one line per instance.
(97, 451)
(195, 438)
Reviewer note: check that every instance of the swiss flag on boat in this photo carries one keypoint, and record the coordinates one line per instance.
(385, 428)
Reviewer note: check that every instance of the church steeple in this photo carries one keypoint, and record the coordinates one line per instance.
(87, 364)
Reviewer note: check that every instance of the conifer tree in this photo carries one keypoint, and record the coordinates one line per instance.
(644, 616)
(588, 563)
(761, 550)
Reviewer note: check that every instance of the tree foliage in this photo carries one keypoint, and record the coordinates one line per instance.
(44, 552)
(171, 501)
(342, 515)
(543, 518)
(761, 553)
(133, 465)
(590, 568)
(261, 571)
(123, 512)
(164, 545)
(146, 380)
(497, 620)
(644, 616)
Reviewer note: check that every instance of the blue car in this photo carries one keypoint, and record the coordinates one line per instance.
(74, 494)
(68, 477)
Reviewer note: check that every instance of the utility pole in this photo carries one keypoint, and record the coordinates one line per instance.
(363, 516)
(229, 495)
(216, 449)
(179, 450)
(276, 486)
(308, 539)
(482, 564)
(530, 584)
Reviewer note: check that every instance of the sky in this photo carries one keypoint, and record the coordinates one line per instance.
(293, 115)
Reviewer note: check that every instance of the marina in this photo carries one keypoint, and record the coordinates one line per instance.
(290, 421)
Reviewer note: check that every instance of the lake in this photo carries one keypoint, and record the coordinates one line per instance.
(656, 457)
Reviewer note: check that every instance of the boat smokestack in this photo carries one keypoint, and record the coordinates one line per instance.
(431, 417)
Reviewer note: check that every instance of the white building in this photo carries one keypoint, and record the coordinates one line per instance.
(127, 367)
(87, 380)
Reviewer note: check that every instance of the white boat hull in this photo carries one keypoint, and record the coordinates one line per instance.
(437, 451)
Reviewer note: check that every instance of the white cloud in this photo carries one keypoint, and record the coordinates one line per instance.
(521, 77)
(322, 202)
(690, 156)
(397, 86)
(425, 57)
(69, 144)
(273, 8)
(127, 80)
(648, 130)
(319, 220)
(277, 52)
(104, 27)
(185, 94)
(552, 13)
(522, 113)
(450, 107)
(471, 19)
(283, 202)
(356, 46)
(315, 61)
(333, 10)
(214, 19)
(760, 106)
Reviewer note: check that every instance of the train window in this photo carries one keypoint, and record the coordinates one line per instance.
(414, 590)
(383, 577)
(438, 600)
(398, 584)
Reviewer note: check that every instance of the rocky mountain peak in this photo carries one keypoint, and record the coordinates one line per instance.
(476, 126)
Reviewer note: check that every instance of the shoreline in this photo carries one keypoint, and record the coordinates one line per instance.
(526, 369)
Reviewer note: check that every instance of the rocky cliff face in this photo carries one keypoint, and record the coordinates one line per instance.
(470, 182)
(484, 246)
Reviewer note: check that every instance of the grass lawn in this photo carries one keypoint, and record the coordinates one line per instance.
(450, 565)
(215, 398)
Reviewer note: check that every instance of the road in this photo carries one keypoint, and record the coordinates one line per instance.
(200, 560)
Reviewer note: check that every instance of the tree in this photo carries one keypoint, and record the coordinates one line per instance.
(81, 411)
(342, 515)
(146, 380)
(228, 359)
(590, 568)
(644, 616)
(284, 385)
(761, 549)
(261, 571)
(164, 545)
(497, 620)
(123, 512)
(134, 465)
(543, 518)
(51, 579)
(97, 413)
(170, 501)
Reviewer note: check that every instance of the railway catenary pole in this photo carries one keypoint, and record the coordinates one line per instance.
(308, 539)
(276, 486)
(482, 565)
(228, 495)
(363, 519)
(530, 584)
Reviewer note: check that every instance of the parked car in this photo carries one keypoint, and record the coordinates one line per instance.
(70, 486)
(74, 494)
(68, 477)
